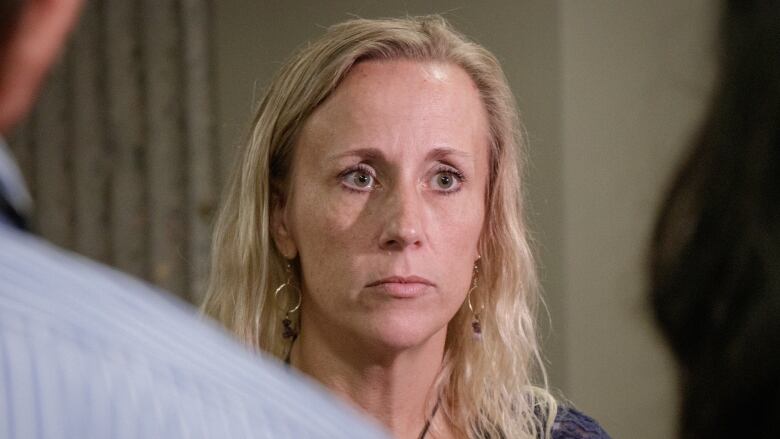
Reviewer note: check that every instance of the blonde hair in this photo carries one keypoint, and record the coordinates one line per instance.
(486, 387)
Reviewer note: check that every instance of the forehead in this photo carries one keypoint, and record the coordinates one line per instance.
(400, 102)
(367, 78)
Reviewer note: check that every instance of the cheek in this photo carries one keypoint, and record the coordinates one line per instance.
(326, 228)
(323, 217)
(454, 239)
(456, 228)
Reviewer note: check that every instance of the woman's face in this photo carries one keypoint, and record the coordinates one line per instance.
(387, 202)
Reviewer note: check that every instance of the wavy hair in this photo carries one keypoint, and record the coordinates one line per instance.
(487, 388)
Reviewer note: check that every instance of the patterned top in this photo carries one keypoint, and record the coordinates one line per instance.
(571, 424)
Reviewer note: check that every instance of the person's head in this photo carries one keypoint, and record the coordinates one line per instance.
(9, 14)
(32, 33)
(389, 148)
(383, 207)
(715, 255)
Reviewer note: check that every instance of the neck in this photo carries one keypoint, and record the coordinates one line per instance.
(395, 388)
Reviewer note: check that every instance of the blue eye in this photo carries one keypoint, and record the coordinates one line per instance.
(447, 180)
(360, 179)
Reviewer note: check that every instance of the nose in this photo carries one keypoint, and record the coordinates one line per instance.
(402, 227)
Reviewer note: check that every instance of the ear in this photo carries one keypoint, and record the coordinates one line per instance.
(280, 230)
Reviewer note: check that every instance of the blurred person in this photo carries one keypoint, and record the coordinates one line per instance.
(86, 352)
(715, 253)
(373, 235)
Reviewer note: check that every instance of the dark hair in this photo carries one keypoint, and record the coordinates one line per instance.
(9, 13)
(715, 252)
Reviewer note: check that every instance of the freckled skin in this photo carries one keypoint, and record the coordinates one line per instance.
(404, 225)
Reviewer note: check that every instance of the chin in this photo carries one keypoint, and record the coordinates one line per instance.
(398, 333)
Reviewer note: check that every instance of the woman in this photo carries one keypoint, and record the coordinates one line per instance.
(372, 236)
(715, 255)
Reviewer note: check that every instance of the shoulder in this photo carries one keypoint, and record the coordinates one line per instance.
(81, 341)
(572, 424)
(47, 289)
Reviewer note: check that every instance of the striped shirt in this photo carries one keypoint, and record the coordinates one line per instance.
(87, 352)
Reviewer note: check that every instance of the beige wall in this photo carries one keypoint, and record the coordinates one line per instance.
(635, 78)
(609, 91)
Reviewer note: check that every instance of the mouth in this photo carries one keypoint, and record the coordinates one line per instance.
(401, 280)
(402, 287)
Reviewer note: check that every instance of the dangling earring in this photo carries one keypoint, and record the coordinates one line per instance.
(476, 325)
(289, 332)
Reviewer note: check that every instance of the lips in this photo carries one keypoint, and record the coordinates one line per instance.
(401, 280)
(401, 286)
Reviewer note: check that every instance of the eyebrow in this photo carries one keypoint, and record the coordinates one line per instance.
(438, 153)
(364, 153)
(441, 153)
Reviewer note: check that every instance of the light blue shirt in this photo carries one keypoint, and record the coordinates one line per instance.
(87, 352)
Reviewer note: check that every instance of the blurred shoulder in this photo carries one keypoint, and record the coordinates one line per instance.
(86, 350)
(573, 424)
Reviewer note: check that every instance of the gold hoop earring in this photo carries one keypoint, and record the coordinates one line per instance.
(288, 332)
(476, 324)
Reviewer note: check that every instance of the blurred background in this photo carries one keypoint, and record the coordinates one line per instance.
(144, 112)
